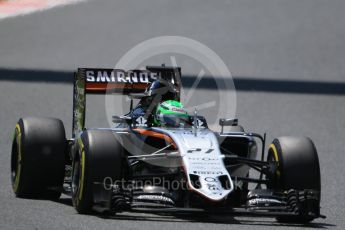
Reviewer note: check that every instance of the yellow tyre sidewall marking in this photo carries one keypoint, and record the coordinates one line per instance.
(18, 138)
(82, 165)
(275, 153)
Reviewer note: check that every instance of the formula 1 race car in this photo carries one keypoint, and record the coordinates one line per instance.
(162, 162)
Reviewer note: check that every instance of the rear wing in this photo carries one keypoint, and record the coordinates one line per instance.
(115, 81)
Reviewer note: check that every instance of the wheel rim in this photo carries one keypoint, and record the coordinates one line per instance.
(274, 178)
(76, 177)
(16, 163)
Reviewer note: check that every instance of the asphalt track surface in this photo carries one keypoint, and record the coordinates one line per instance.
(287, 58)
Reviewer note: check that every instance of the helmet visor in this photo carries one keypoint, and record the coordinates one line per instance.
(174, 121)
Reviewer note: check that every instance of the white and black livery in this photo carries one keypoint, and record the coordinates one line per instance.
(139, 166)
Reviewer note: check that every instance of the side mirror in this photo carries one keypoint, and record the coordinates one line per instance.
(228, 122)
(121, 120)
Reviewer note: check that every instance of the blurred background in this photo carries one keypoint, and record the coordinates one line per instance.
(287, 60)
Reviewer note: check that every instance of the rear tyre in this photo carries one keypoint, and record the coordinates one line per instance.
(298, 168)
(97, 162)
(38, 158)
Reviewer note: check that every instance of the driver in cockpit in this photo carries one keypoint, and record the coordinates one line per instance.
(158, 91)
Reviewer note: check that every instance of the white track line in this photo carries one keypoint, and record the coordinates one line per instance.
(12, 8)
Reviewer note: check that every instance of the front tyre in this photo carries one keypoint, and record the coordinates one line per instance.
(298, 168)
(98, 160)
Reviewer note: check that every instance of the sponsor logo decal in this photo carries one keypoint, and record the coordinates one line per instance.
(141, 121)
(199, 123)
(156, 198)
(120, 76)
(263, 201)
(208, 172)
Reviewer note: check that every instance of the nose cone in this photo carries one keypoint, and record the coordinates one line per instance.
(201, 141)
(208, 176)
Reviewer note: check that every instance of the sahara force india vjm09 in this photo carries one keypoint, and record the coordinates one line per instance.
(158, 158)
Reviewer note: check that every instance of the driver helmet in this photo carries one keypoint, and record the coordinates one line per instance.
(160, 90)
(170, 113)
